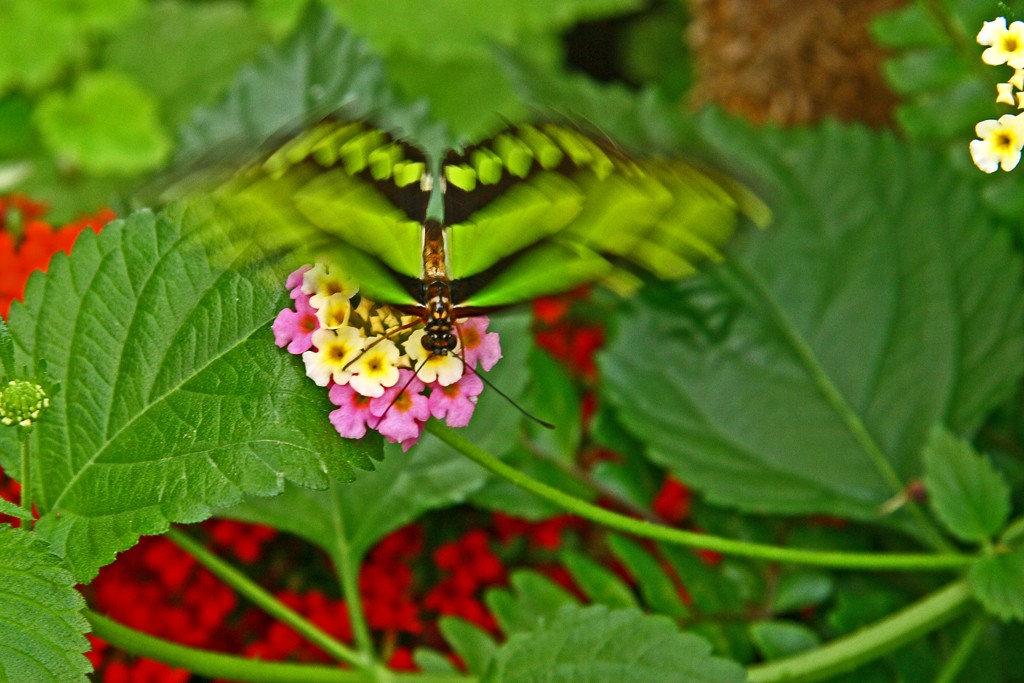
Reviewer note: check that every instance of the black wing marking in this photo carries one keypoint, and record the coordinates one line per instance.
(481, 173)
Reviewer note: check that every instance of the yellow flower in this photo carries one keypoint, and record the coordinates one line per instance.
(1007, 44)
(1000, 143)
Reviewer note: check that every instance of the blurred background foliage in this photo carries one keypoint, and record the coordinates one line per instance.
(93, 94)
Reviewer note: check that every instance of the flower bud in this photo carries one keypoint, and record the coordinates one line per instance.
(22, 402)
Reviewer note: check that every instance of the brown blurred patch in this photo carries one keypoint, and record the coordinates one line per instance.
(791, 61)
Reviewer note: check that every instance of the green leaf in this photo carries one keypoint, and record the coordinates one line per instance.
(800, 589)
(355, 516)
(433, 662)
(105, 15)
(778, 639)
(462, 38)
(201, 48)
(322, 69)
(908, 26)
(656, 587)
(861, 601)
(600, 585)
(9, 508)
(474, 645)
(713, 592)
(964, 490)
(997, 581)
(37, 39)
(500, 495)
(752, 383)
(42, 632)
(596, 645)
(6, 352)
(106, 125)
(16, 135)
(535, 599)
(556, 400)
(175, 398)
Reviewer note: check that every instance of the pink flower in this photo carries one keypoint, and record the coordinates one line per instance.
(353, 413)
(456, 402)
(403, 408)
(478, 344)
(294, 281)
(295, 327)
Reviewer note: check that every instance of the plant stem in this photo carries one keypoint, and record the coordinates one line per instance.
(657, 532)
(854, 425)
(26, 480)
(268, 603)
(218, 665)
(347, 566)
(964, 649)
(869, 643)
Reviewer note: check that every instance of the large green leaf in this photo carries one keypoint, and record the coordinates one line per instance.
(175, 399)
(42, 631)
(881, 302)
(595, 645)
(964, 489)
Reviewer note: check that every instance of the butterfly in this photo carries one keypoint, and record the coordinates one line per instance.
(535, 210)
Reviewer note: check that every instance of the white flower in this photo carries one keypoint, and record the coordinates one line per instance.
(376, 369)
(1007, 44)
(1000, 143)
(445, 369)
(333, 311)
(335, 350)
(321, 282)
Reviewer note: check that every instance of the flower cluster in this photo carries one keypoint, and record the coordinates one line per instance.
(373, 361)
(1000, 141)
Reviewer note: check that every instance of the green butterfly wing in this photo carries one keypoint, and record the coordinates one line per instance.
(536, 210)
(348, 192)
(572, 210)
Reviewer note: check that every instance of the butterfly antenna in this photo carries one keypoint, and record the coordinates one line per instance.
(405, 386)
(508, 398)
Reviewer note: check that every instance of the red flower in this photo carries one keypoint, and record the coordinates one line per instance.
(27, 243)
(673, 501)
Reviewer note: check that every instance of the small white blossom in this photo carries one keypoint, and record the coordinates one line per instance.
(1000, 144)
(335, 350)
(1007, 43)
(376, 369)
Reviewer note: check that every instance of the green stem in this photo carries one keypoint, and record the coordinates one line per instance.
(268, 603)
(217, 665)
(26, 480)
(869, 643)
(347, 567)
(830, 393)
(964, 649)
(657, 532)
